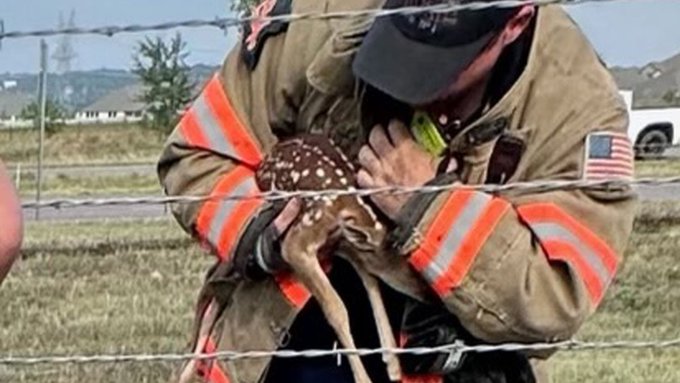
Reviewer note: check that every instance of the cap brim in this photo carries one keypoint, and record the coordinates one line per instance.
(407, 70)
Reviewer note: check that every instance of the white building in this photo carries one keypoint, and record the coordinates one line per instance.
(9, 84)
(119, 106)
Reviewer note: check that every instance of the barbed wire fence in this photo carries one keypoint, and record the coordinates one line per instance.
(456, 348)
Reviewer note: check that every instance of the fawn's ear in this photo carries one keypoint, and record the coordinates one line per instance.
(360, 229)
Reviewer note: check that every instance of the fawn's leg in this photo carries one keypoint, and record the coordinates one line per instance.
(300, 251)
(382, 323)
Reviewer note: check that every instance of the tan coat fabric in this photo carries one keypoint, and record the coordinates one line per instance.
(512, 292)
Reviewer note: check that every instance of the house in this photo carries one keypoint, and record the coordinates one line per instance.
(9, 84)
(11, 105)
(121, 105)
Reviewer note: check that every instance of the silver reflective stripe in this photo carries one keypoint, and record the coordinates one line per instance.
(456, 235)
(546, 231)
(211, 128)
(225, 210)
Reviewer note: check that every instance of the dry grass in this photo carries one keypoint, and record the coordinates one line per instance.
(658, 168)
(643, 304)
(83, 144)
(64, 185)
(129, 287)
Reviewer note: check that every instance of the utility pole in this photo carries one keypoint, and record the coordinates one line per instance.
(43, 110)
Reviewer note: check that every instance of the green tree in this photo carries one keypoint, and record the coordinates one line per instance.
(55, 115)
(241, 6)
(167, 87)
(672, 97)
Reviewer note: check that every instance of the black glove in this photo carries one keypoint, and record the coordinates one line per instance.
(429, 326)
(432, 326)
(259, 250)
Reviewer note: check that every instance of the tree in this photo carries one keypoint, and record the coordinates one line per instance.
(241, 6)
(672, 97)
(167, 87)
(55, 115)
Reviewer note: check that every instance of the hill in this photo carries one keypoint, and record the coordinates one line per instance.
(81, 88)
(651, 83)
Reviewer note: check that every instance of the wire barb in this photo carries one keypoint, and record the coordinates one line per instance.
(229, 22)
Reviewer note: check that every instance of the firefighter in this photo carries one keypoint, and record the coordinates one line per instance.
(11, 220)
(496, 96)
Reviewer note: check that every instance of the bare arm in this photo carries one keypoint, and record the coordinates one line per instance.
(11, 223)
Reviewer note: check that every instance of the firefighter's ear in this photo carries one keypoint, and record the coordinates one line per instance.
(517, 24)
(256, 32)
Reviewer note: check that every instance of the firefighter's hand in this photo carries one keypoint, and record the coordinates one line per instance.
(394, 160)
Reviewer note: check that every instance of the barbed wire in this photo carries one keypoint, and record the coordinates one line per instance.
(229, 22)
(519, 188)
(454, 348)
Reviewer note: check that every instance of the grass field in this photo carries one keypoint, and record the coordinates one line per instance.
(129, 287)
(71, 186)
(658, 168)
(83, 144)
(131, 143)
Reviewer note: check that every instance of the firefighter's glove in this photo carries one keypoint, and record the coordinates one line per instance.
(429, 327)
(259, 250)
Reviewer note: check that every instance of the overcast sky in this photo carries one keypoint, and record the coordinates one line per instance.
(625, 32)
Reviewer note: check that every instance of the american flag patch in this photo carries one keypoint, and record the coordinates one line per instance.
(609, 157)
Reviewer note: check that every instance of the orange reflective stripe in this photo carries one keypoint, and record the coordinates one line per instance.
(215, 373)
(472, 244)
(566, 239)
(220, 222)
(456, 237)
(211, 123)
(296, 293)
(566, 252)
(434, 236)
(191, 131)
(242, 213)
(239, 137)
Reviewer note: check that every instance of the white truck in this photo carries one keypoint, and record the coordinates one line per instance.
(652, 130)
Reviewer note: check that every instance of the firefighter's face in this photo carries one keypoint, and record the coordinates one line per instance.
(479, 70)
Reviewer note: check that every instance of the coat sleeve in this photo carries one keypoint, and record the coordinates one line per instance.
(216, 149)
(252, 101)
(527, 267)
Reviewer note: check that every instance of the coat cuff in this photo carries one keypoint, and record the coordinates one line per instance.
(411, 214)
(255, 240)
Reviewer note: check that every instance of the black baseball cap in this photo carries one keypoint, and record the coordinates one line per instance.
(415, 58)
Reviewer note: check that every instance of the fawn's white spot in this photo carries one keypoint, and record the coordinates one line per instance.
(320, 173)
(307, 220)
